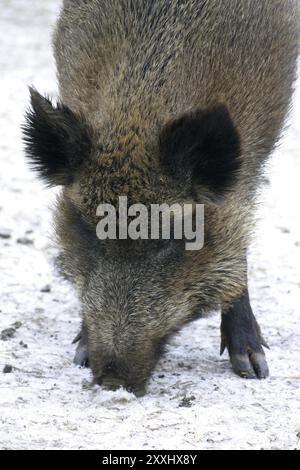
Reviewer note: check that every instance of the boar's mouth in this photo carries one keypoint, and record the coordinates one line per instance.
(113, 383)
(113, 373)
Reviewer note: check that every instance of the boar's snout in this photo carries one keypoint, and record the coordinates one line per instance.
(125, 331)
(113, 382)
(111, 379)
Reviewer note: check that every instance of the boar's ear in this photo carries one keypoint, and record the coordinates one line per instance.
(204, 145)
(56, 140)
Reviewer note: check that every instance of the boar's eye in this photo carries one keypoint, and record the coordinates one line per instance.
(81, 229)
(204, 145)
(57, 141)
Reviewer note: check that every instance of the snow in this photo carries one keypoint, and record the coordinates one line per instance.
(48, 403)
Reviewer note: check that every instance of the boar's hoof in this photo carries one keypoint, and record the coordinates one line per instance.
(246, 355)
(242, 337)
(250, 365)
(81, 356)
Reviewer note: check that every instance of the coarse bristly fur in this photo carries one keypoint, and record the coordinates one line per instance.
(162, 101)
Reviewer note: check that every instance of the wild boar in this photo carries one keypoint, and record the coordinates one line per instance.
(162, 101)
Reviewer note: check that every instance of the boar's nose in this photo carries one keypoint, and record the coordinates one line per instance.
(110, 380)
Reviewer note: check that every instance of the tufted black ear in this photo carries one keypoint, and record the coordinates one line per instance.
(204, 145)
(56, 140)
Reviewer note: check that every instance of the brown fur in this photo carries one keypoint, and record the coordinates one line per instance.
(130, 67)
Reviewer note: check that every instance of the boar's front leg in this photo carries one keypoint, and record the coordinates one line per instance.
(242, 337)
(81, 355)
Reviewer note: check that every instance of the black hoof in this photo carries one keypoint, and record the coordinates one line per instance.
(250, 365)
(81, 357)
(242, 337)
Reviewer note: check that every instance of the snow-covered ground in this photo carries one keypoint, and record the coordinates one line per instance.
(194, 401)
